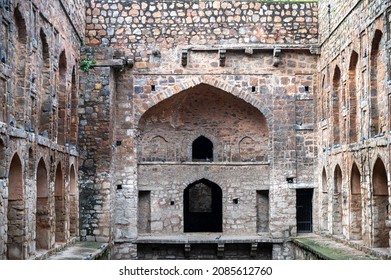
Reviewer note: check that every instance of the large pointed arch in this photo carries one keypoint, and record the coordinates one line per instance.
(261, 105)
(203, 110)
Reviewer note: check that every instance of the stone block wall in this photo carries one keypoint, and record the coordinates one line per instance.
(39, 158)
(144, 25)
(354, 121)
(184, 69)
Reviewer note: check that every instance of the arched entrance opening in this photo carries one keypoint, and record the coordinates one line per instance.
(43, 210)
(337, 202)
(203, 207)
(380, 205)
(74, 202)
(325, 202)
(59, 205)
(15, 211)
(355, 204)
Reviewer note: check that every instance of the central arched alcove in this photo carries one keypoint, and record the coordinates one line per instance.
(203, 207)
(203, 123)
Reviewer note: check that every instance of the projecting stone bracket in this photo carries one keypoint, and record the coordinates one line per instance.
(115, 63)
(187, 250)
(277, 56)
(184, 57)
(222, 56)
(220, 250)
(254, 248)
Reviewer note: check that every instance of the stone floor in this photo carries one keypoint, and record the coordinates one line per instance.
(78, 250)
(325, 247)
(338, 249)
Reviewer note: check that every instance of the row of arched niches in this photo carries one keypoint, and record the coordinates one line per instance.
(355, 206)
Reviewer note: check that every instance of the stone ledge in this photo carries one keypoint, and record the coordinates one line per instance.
(210, 239)
(202, 163)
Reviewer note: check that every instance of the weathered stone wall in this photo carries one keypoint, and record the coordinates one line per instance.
(354, 121)
(96, 151)
(189, 69)
(38, 37)
(143, 26)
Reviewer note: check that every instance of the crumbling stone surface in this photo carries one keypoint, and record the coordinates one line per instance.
(196, 74)
(39, 50)
(354, 121)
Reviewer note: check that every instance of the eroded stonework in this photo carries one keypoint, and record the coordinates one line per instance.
(203, 129)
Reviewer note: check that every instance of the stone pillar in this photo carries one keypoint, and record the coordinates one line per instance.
(96, 115)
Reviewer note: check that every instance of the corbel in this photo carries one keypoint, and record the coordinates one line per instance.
(254, 248)
(184, 57)
(220, 250)
(187, 250)
(222, 57)
(276, 56)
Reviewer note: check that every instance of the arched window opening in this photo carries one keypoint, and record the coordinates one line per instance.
(43, 209)
(15, 211)
(203, 207)
(336, 105)
(202, 149)
(353, 126)
(337, 202)
(355, 204)
(380, 205)
(375, 61)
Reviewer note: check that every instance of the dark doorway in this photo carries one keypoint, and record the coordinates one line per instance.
(202, 149)
(304, 210)
(203, 211)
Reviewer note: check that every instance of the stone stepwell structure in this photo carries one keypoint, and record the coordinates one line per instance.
(194, 129)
